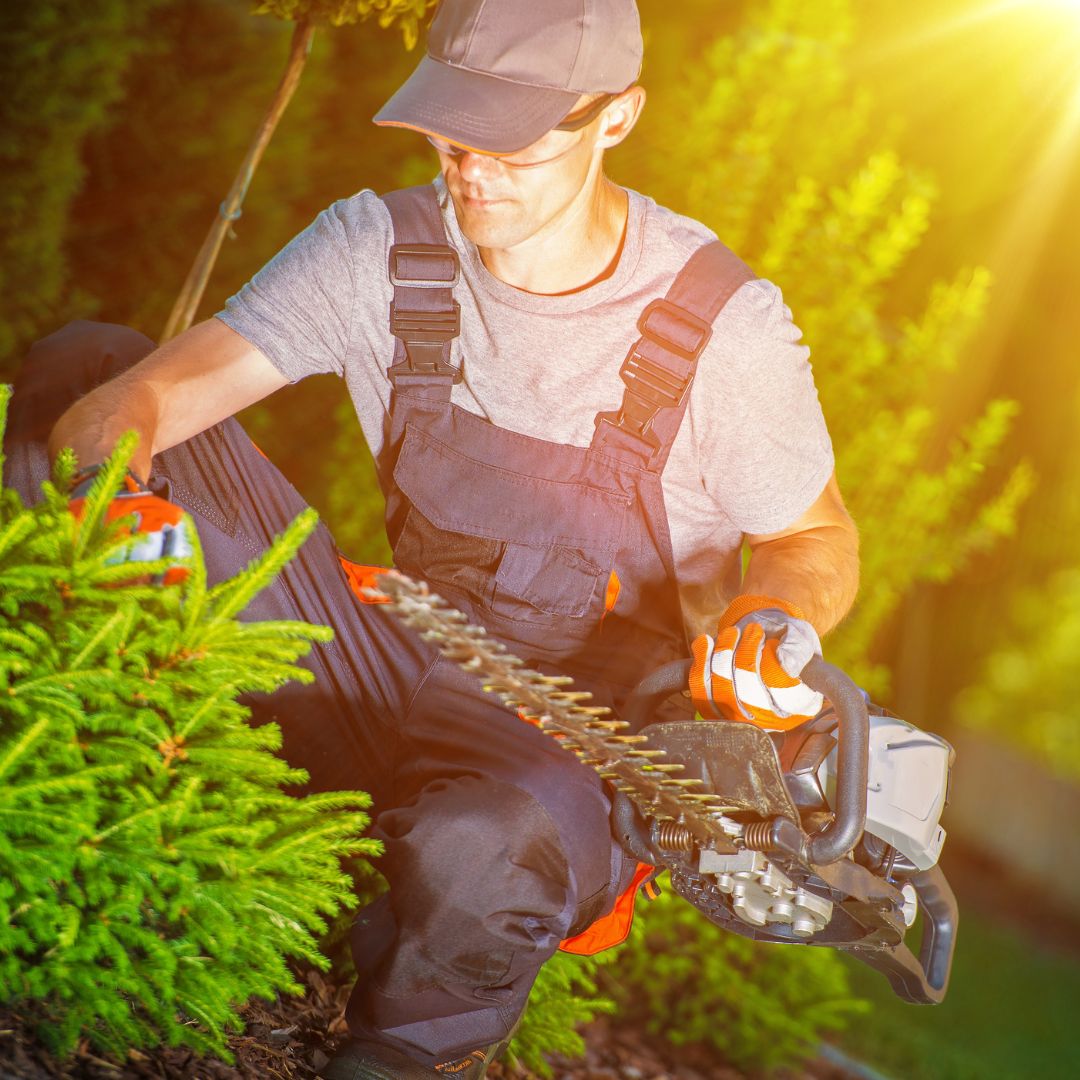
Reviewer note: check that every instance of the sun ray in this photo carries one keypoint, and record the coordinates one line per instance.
(944, 28)
(1000, 82)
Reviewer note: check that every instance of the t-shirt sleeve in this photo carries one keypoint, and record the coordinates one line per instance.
(762, 437)
(298, 308)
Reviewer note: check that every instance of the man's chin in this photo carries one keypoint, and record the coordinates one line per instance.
(489, 234)
(488, 224)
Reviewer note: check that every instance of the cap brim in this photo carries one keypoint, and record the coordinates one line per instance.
(476, 111)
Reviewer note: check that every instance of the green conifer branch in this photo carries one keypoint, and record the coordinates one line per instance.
(22, 745)
(102, 491)
(15, 532)
(153, 871)
(107, 628)
(229, 598)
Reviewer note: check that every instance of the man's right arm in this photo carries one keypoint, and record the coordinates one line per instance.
(196, 380)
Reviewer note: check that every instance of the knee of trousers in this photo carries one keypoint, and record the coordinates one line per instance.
(479, 880)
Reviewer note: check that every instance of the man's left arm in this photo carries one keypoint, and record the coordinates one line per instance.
(767, 450)
(813, 564)
(800, 582)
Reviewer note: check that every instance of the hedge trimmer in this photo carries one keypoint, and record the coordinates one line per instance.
(824, 835)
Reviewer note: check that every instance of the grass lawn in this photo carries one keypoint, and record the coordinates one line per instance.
(1012, 1011)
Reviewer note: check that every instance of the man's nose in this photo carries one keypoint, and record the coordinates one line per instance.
(476, 168)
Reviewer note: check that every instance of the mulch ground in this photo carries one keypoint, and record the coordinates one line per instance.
(289, 1039)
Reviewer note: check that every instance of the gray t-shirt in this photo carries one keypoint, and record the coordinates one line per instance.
(753, 451)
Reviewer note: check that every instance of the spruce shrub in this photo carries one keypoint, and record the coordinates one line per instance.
(563, 998)
(761, 1005)
(154, 873)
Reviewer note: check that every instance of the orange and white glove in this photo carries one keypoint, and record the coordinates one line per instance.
(161, 528)
(750, 670)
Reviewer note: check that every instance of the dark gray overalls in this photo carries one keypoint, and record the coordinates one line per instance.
(497, 840)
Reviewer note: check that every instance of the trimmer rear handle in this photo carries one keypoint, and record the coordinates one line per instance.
(853, 753)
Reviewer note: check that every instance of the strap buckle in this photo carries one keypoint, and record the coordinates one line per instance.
(426, 335)
(655, 385)
(675, 329)
(431, 255)
(651, 387)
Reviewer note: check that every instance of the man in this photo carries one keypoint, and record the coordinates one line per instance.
(587, 513)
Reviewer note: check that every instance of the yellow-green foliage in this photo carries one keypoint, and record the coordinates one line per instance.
(1027, 692)
(761, 1005)
(153, 870)
(407, 14)
(769, 141)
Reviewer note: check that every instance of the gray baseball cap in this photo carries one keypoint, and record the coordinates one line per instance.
(500, 73)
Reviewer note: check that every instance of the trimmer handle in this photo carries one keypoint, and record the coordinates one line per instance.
(853, 754)
(920, 980)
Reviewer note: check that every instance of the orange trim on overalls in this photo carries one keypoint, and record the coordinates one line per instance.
(611, 595)
(258, 448)
(362, 577)
(613, 928)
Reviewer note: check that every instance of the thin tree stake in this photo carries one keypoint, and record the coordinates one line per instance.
(187, 303)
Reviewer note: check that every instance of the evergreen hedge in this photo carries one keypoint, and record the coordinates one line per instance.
(154, 872)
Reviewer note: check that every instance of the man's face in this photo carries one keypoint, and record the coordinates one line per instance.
(499, 206)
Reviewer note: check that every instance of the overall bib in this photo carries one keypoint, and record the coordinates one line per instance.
(561, 552)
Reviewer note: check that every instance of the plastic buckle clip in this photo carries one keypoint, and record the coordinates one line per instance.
(651, 386)
(430, 253)
(425, 335)
(649, 389)
(659, 387)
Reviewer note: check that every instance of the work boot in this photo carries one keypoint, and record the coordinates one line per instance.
(475, 1066)
(359, 1059)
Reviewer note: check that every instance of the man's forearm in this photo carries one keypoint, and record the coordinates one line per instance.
(196, 380)
(93, 424)
(816, 570)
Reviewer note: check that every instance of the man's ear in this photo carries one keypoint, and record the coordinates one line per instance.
(620, 117)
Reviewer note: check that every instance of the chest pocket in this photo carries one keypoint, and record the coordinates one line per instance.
(529, 555)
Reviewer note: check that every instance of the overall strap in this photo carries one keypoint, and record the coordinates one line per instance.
(424, 317)
(659, 369)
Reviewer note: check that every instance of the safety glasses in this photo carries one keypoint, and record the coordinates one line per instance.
(547, 149)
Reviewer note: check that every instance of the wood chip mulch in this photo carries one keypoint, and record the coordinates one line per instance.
(290, 1039)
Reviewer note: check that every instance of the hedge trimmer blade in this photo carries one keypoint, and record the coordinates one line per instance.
(590, 732)
(709, 854)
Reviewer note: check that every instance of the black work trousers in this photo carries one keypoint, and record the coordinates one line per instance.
(497, 841)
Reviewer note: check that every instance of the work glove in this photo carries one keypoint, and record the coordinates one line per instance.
(750, 670)
(161, 529)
